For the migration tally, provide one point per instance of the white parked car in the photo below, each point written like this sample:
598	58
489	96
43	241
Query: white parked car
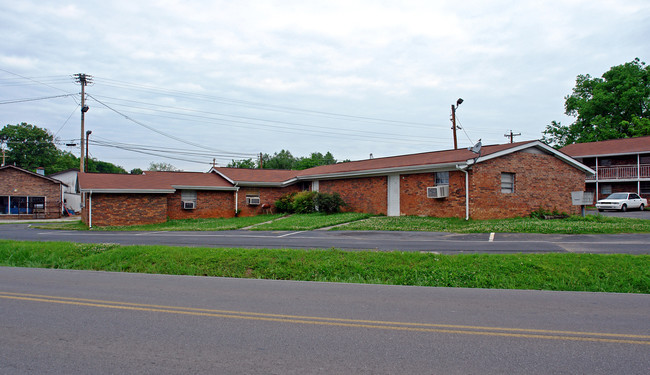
622	201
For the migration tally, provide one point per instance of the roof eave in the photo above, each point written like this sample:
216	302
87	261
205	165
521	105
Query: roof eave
128	191
215	188
385	171
266	183
558	154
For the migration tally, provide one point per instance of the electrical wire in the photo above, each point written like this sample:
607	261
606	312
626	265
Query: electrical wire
365	133
13	101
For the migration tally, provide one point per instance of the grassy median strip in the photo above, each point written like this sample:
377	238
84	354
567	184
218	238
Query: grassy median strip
592	224
311	221
576	272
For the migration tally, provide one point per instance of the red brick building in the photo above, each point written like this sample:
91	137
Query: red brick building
621	165
501	181
29	195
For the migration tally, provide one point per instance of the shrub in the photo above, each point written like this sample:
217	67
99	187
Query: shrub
285	203
329	203
310	201
305	202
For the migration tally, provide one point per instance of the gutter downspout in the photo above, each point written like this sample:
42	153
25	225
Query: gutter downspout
464	169
90	210
236	199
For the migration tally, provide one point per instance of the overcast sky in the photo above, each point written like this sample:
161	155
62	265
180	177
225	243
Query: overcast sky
188	81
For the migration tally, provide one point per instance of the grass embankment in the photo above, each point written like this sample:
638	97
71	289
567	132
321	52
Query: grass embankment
592	224
577	272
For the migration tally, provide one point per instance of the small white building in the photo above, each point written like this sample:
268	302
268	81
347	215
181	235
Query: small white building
70	188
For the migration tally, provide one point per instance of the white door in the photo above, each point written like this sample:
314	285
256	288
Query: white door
393	195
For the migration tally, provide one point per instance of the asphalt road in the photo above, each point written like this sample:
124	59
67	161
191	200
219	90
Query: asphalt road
445	243
68	322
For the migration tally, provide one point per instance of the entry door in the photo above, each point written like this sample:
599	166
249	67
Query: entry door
393	195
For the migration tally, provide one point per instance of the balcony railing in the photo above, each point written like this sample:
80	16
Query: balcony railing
622	172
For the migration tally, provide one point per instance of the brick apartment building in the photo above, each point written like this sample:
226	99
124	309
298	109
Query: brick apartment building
29	195
621	165
499	182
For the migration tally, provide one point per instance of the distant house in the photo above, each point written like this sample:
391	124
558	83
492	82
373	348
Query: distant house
498	182
71	196
621	165
28	195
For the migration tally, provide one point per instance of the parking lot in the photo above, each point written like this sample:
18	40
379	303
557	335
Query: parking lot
632	214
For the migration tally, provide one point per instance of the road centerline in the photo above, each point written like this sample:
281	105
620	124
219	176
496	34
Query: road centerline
352	323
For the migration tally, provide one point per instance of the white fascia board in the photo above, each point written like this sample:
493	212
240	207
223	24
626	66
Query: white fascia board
384	171
222	175
266	184
609	155
560	155
128	191
216	188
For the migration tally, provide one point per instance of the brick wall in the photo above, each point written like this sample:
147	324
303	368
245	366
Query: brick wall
209	204
368	194
125	209
267	196
541	181
414	201
14	182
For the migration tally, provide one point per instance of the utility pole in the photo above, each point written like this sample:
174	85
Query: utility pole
83	80
88	132
261	161
512	136
453	120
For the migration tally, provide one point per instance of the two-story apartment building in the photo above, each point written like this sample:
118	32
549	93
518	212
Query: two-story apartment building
621	165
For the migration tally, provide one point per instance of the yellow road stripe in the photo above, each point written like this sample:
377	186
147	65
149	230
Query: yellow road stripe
296	319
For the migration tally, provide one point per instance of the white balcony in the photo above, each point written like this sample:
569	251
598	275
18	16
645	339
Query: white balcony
622	172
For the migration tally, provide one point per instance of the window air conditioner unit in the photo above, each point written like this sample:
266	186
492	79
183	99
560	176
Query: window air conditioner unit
189	205
440	191
253	201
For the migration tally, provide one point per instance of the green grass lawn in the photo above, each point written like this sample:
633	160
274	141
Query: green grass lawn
311	221
619	273
592	224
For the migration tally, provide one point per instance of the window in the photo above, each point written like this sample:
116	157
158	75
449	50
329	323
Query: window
507	183
188	199
605	189
16	205
442	178
188	195
4	205
645	188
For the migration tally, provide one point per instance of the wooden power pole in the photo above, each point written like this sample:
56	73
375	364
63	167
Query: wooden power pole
83	80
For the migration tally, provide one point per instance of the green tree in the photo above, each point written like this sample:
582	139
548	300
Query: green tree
244	163
162	167
281	160
614	106
64	161
136	171
29	147
314	160
99	166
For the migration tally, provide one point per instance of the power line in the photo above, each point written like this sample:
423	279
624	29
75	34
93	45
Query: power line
33	80
13	101
258	105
